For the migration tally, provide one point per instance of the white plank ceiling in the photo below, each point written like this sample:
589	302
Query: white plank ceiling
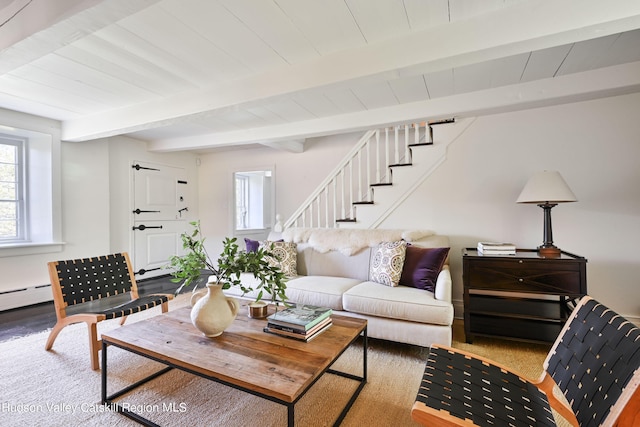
203	74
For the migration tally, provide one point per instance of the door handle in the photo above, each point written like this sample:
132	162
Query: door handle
138	167
139	211
142	271
144	227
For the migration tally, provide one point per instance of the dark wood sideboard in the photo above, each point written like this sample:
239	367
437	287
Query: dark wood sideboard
523	296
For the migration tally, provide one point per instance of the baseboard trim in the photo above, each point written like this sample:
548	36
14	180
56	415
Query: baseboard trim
25	297
458	309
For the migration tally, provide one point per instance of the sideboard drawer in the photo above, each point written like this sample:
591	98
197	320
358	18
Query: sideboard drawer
527	276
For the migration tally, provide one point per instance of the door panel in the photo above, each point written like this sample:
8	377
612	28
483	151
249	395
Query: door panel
159	216
159	192
154	246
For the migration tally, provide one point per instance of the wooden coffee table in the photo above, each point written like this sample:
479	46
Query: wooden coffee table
244	357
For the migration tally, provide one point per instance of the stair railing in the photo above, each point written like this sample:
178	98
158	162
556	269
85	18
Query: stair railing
365	165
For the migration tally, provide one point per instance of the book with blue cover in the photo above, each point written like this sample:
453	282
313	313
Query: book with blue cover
301	337
301	316
299	330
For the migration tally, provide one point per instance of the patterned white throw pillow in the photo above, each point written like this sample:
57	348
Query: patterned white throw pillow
387	262
287	255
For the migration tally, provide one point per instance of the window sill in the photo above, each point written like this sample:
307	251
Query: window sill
18	249
247	231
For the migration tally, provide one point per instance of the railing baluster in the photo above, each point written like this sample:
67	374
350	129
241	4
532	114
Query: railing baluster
396	145
360	193
369	170
342	196
335	202
407	156
377	156
386	154
326	206
351	188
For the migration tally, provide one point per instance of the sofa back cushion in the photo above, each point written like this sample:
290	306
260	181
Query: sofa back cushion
333	263
312	262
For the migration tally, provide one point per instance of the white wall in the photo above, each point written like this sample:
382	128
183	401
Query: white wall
471	197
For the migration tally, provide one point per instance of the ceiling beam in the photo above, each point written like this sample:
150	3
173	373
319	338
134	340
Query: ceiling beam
521	28
610	81
292	146
40	27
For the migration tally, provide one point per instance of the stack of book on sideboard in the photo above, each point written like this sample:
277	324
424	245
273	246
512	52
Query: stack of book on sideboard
301	322
493	248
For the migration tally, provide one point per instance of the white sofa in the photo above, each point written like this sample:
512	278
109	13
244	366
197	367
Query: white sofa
333	270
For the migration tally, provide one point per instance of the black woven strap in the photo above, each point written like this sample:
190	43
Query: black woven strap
135	306
594	361
88	279
472	390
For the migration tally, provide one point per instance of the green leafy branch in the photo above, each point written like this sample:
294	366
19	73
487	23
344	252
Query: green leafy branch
188	268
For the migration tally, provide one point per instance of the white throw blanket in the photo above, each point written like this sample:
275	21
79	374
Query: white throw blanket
349	241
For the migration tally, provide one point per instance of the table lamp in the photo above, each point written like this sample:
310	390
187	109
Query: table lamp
547	189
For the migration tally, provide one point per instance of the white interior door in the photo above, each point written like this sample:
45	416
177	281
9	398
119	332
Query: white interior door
159	216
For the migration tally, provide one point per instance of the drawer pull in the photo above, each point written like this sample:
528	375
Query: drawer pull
520	280
520	261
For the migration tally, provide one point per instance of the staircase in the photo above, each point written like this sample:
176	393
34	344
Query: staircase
381	171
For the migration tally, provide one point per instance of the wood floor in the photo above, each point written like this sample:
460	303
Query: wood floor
23	321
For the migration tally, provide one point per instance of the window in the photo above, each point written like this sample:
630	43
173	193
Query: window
30	185
253	199
12	190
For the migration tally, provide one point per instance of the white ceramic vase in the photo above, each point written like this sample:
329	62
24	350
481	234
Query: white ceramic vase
212	311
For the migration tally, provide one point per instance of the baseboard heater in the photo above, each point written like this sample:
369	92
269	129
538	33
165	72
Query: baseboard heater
25	296
38	294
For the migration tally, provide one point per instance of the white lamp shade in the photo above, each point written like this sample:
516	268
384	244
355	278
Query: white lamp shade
546	187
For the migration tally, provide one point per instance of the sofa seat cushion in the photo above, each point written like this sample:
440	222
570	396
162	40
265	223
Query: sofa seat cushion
323	291
400	302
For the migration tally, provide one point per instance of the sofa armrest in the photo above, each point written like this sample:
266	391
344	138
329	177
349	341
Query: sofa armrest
443	285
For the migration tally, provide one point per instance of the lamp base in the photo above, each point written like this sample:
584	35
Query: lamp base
549	251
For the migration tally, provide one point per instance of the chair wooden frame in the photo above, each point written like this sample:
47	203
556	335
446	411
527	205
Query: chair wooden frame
99	278
583	364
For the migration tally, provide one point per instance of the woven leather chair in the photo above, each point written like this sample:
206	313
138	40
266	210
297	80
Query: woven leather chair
96	289
595	363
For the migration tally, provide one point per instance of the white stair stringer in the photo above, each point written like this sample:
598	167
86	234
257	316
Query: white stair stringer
425	159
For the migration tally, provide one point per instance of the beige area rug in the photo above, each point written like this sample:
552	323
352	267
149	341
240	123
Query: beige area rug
58	388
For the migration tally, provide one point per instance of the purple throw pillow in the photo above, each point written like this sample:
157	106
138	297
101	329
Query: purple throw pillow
252	245
422	266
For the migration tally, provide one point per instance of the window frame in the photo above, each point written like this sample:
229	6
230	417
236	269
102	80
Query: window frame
21	190
261	200
43	180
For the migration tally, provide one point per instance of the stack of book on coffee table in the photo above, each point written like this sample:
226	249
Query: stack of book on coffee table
301	322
